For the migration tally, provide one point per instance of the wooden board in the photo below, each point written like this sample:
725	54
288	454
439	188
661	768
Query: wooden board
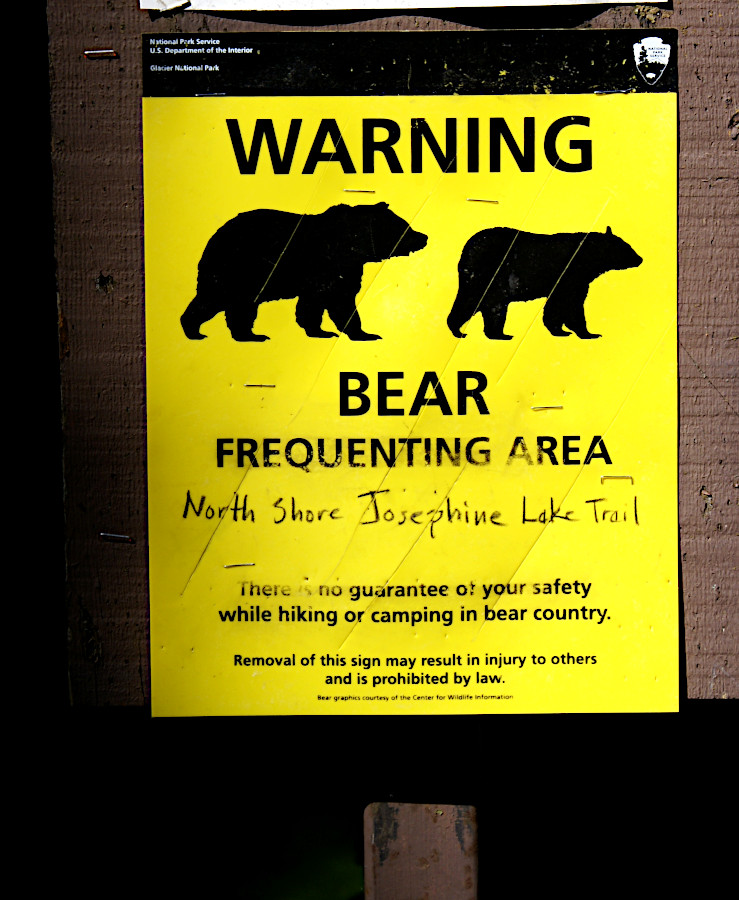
97	200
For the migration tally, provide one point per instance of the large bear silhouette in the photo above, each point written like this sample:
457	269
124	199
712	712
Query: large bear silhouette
268	254
499	266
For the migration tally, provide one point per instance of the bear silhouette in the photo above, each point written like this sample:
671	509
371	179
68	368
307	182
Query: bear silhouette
268	254
499	266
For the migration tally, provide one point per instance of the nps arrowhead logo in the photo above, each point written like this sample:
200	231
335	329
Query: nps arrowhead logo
651	56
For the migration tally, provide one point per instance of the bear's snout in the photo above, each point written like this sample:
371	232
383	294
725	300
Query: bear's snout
412	242
631	260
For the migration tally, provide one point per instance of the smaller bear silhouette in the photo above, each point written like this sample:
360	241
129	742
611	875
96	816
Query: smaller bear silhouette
268	254
499	266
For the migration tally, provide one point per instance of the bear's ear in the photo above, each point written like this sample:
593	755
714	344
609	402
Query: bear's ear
382	205
608	230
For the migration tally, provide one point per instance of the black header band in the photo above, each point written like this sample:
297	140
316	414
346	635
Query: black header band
438	63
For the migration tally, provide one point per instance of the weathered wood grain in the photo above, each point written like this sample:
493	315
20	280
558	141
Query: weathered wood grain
420	850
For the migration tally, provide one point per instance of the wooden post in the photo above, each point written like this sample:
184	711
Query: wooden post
420	851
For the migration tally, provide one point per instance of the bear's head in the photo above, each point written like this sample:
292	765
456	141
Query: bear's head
616	253
375	233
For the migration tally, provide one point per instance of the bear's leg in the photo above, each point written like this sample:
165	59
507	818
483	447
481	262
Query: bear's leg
309	315
198	311
575	320
240	320
463	308
345	317
566	307
555	310
494	317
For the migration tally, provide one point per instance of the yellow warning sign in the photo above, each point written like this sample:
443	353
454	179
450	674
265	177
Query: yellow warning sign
412	399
